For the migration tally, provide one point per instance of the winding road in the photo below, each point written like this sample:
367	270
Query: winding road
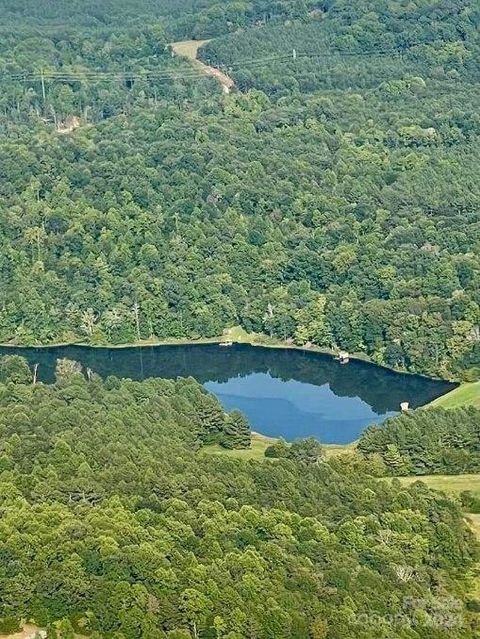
189	49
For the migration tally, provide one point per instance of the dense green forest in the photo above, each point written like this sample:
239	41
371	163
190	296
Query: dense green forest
332	198
180	19
116	522
427	442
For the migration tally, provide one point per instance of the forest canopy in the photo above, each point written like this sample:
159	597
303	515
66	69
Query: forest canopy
332	197
433	441
117	523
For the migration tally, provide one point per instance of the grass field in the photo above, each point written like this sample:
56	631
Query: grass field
464	395
256	451
451	484
261	442
188	48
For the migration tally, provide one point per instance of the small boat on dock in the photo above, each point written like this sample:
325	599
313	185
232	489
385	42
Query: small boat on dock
225	343
343	357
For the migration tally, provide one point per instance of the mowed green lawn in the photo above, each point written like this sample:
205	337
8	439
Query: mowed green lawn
465	395
261	442
451	484
256	450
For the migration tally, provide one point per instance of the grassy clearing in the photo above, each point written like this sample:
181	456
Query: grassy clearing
450	484
188	48
261	442
239	335
256	451
338	449
453	485
464	395
474	523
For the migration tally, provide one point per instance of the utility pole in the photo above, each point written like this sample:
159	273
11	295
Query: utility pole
44	94
136	313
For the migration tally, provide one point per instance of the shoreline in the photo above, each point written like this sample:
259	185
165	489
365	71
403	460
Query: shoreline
259	443
238	337
246	339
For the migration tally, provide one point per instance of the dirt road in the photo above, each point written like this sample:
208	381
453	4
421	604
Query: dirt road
188	49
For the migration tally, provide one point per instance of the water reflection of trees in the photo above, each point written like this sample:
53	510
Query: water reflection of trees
382	389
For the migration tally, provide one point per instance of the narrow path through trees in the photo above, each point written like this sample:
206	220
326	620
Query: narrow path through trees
189	49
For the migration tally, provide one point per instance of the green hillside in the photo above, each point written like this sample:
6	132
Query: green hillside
464	395
332	197
115	524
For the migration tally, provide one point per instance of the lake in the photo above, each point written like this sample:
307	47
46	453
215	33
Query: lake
284	393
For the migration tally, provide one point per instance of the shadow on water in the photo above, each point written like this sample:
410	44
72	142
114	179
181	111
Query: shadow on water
286	393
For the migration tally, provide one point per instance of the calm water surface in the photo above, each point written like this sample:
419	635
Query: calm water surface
283	393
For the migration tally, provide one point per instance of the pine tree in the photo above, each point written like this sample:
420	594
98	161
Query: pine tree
212	419
236	433
398	464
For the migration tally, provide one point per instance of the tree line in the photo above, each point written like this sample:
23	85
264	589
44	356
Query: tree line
431	441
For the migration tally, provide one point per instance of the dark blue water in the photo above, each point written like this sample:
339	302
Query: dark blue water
285	393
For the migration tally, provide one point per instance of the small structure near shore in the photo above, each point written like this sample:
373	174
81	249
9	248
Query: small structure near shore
404	407
343	357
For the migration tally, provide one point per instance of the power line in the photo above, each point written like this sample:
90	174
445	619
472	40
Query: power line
192	72
331	53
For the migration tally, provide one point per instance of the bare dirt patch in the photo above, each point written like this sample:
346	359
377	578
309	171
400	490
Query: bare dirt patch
189	49
29	632
69	125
